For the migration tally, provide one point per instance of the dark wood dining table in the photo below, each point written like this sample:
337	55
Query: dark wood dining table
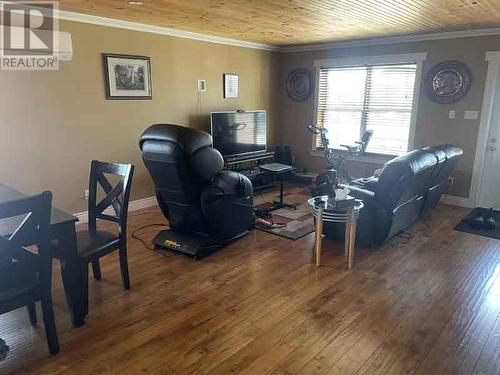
63	231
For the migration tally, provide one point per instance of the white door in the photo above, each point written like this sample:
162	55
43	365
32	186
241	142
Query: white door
489	193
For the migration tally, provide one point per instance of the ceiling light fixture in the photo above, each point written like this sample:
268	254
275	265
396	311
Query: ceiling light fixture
135	2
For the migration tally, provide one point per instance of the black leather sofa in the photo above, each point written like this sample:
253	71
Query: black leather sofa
409	187
196	196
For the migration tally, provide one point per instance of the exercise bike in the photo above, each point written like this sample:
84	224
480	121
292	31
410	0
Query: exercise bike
336	173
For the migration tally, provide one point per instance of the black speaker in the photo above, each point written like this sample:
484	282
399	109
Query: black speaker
284	155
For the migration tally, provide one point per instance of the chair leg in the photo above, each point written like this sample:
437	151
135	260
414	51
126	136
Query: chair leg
32	313
96	269
50	325
124	265
85	285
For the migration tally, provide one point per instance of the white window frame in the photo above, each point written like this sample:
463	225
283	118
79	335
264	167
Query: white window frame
404	58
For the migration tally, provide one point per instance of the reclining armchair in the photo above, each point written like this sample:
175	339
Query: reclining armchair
206	207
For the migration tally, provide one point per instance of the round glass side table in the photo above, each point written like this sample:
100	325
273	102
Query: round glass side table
325	211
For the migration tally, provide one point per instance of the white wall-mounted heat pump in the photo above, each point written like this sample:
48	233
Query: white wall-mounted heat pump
63	48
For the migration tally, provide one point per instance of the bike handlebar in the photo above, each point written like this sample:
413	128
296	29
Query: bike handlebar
316	129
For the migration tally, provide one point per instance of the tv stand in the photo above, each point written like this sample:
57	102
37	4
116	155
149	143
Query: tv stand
230	160
248	165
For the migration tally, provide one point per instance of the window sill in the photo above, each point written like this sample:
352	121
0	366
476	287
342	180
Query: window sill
366	158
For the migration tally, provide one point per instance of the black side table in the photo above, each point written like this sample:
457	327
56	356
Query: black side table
279	170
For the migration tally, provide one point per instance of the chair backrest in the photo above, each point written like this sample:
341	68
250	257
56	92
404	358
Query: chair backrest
182	162
449	156
365	140
28	223
440	161
115	181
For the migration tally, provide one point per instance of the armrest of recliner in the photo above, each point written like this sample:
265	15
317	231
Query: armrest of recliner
227	204
368	183
363	194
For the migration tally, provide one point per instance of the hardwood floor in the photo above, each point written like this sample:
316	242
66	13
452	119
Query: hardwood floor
260	306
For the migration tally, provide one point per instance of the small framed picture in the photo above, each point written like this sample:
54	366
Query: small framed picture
231	86
127	77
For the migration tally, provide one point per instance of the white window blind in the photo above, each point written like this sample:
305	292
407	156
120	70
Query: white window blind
379	98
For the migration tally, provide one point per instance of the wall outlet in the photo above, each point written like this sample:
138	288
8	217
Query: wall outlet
451	114
86	194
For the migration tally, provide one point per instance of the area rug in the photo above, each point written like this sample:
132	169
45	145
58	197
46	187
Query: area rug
298	223
465	224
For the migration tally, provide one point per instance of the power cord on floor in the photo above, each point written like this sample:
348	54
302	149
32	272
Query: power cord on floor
443	197
265	220
165	253
402	238
425	224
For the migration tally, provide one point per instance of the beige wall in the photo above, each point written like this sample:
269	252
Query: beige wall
433	126
54	123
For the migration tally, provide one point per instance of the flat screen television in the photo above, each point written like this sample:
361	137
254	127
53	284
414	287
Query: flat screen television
238	132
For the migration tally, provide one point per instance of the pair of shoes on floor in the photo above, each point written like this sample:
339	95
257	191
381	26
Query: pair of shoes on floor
484	220
4	349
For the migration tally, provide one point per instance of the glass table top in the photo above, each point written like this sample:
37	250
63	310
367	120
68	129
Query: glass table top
332	205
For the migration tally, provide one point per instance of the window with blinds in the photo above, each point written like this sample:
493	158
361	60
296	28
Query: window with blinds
379	98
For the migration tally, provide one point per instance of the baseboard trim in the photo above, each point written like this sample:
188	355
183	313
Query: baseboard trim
83	217
453	200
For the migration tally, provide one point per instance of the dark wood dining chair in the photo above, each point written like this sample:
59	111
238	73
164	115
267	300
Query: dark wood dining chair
26	276
94	243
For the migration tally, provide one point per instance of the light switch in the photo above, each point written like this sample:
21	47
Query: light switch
471	115
451	114
202	85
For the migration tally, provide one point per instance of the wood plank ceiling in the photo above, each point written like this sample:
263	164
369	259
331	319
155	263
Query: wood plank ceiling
290	22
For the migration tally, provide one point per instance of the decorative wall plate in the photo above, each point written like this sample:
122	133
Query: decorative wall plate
448	81
299	84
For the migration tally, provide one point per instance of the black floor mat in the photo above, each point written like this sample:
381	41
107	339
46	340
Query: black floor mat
465	224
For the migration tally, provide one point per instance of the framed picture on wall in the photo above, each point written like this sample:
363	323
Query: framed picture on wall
231	86
127	77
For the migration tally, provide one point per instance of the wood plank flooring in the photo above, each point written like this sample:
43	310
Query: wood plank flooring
260	306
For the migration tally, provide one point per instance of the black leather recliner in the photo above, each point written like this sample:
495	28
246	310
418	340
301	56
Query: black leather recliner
194	192
408	188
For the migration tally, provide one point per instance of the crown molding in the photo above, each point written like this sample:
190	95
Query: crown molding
391	40
120	24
